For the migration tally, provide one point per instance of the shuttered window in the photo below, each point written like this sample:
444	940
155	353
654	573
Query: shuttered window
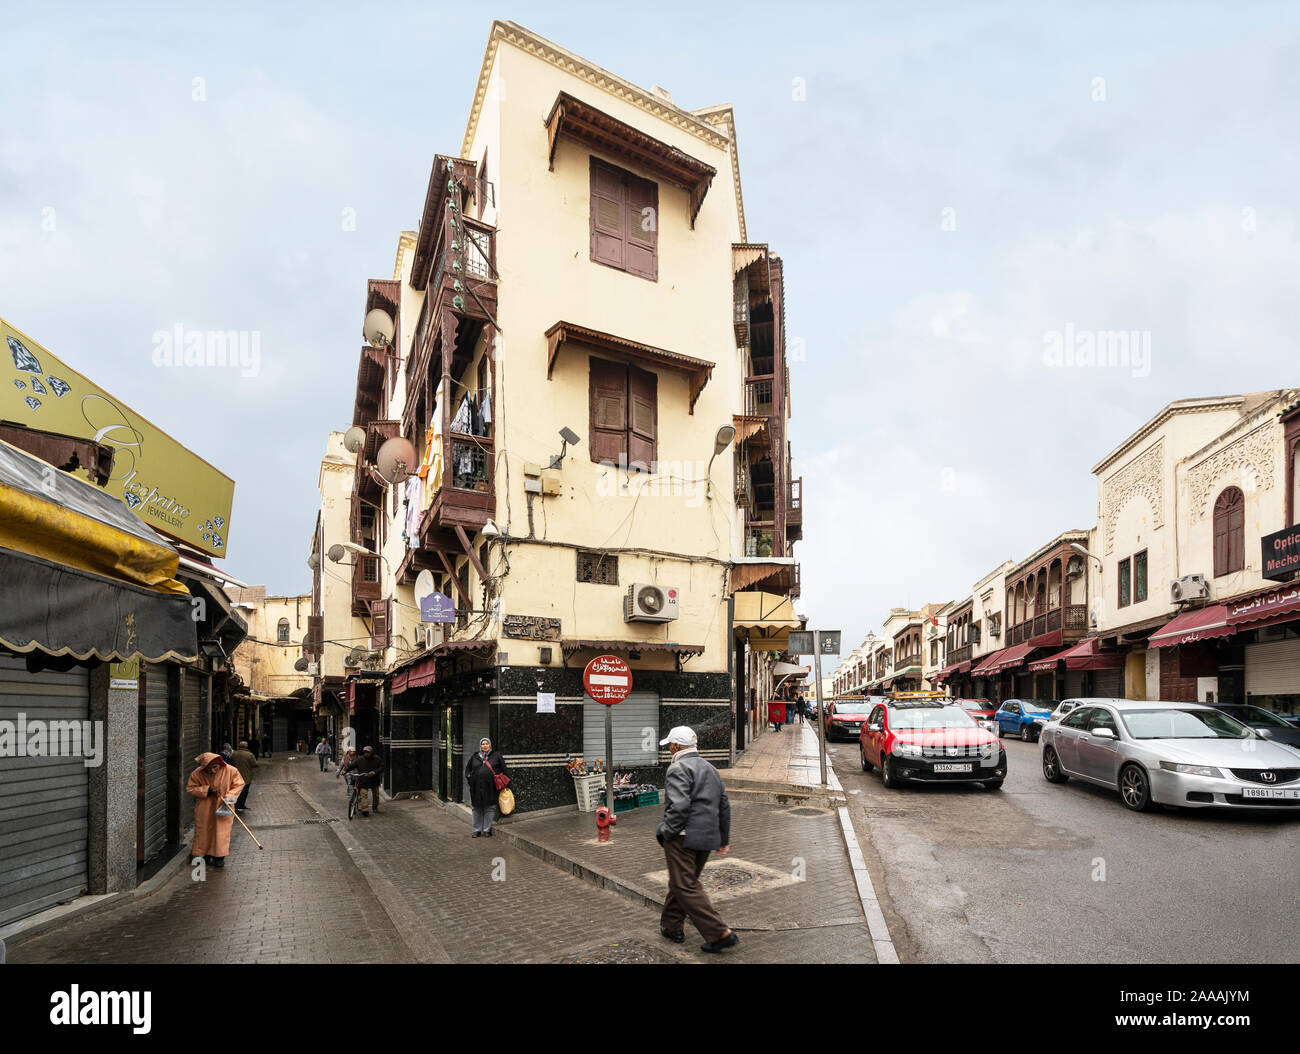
381	628
624	415
1229	532
624	220
1140	577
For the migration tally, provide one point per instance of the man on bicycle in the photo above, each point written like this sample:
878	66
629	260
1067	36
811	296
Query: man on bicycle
369	769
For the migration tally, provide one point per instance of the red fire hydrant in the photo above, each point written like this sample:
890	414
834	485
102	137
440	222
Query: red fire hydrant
604	821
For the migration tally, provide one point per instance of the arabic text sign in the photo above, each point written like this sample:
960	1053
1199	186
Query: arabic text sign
437	607
607	679
169	487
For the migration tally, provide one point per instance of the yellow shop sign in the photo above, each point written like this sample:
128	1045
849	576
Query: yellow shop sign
172	489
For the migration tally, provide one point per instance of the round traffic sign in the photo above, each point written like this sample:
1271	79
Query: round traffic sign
607	679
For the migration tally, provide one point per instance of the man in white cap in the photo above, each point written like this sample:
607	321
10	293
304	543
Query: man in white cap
697	820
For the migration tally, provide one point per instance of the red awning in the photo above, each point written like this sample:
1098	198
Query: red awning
985	665
951	671
1203	624
1048	663
1085	656
1009	658
1273	605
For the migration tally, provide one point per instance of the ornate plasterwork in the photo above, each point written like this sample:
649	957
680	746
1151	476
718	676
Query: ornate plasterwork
1247	462
1144	476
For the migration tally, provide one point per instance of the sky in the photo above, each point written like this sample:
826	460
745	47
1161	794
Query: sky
954	189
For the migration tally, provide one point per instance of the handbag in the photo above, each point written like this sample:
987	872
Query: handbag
499	779
506	801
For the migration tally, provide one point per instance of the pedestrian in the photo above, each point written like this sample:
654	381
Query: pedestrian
323	753
369	768
697	820
803	709
244	760
215	786
481	771
266	744
254	745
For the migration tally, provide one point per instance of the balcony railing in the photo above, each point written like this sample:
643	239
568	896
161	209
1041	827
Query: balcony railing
956	655
794	502
759	541
1076	617
758	396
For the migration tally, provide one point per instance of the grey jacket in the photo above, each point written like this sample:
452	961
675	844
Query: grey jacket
697	805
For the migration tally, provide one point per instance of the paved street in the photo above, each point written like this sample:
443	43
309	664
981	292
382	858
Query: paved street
1008	876
411	885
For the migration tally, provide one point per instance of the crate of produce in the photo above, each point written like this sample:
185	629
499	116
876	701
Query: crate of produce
650	797
590	790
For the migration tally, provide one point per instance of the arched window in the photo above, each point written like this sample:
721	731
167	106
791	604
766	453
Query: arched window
282	631
1229	532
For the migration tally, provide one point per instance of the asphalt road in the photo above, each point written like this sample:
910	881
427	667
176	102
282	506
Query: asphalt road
1042	873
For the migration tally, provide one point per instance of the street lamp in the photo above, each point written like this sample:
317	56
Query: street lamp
720	443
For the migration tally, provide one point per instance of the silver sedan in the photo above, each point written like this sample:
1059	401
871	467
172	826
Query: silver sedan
1179	754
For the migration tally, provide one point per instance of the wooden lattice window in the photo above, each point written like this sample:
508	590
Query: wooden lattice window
598	568
1229	532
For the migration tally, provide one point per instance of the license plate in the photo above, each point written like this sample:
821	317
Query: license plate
950	767
1270	792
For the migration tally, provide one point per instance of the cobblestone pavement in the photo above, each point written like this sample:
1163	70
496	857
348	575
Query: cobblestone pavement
789	758
411	885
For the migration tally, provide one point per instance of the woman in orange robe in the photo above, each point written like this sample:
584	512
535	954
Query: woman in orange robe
210	783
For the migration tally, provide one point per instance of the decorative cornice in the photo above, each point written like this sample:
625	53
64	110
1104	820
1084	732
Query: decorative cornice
405	244
727	118
1184	406
527	41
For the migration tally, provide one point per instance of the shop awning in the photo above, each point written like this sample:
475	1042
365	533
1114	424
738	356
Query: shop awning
1203	624
1008	658
985	665
951	671
749	571
766	618
1086	655
62	611
1281	604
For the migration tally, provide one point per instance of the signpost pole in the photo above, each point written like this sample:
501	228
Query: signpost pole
609	758
821	706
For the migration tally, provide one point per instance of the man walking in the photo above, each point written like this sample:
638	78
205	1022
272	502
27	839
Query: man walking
369	769
697	820
323	753
244	763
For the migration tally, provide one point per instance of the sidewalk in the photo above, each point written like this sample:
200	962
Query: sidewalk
785	765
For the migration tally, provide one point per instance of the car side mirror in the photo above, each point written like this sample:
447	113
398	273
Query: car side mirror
1103	733
1265	733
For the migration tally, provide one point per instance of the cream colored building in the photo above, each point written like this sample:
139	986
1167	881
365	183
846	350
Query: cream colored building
582	268
278	695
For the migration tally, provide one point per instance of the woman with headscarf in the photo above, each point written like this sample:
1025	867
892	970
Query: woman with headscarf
215	786
481	771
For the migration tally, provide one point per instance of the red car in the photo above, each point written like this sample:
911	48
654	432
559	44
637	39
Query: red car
980	709
930	741
844	717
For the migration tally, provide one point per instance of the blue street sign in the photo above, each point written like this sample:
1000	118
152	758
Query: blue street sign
437	607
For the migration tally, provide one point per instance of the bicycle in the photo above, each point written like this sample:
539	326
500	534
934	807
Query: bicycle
354	794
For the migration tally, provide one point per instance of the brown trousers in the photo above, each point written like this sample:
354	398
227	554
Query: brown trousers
685	894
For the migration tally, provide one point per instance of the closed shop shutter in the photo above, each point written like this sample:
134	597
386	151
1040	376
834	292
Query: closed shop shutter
44	801
280	733
153	741
1272	669
1073	684
1108	684
193	686
474	728
635	715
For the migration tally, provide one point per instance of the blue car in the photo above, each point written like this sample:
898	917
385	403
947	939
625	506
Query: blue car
1023	718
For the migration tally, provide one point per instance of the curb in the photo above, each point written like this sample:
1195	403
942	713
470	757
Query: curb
886	953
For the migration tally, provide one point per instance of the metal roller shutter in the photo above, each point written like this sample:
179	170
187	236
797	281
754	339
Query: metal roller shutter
1273	668
1073	684
153	741
44	801
475	724
635	715
1108	684
193	685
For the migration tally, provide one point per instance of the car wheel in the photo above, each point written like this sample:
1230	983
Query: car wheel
993	785
887	777
1135	789
1052	767
1026	734
866	765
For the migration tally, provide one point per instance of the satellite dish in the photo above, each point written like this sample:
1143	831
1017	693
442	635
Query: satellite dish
313	561
301	665
354	439
378	328
354	657
424	586
396	459
336	553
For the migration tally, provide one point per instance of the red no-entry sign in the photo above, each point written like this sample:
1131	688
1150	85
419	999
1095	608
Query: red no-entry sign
607	679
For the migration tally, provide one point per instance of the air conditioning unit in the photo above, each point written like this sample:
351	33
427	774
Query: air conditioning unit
313	669
649	603
424	636
1189	587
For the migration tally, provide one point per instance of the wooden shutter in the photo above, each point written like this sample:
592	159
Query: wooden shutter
1229	532
315	634
608	395
379	624
354	520
641	256
643	417
607	237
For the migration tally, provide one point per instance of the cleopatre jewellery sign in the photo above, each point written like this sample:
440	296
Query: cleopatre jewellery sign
170	488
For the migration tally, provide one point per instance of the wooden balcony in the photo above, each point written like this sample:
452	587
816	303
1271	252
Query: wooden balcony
794	506
956	655
366	585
